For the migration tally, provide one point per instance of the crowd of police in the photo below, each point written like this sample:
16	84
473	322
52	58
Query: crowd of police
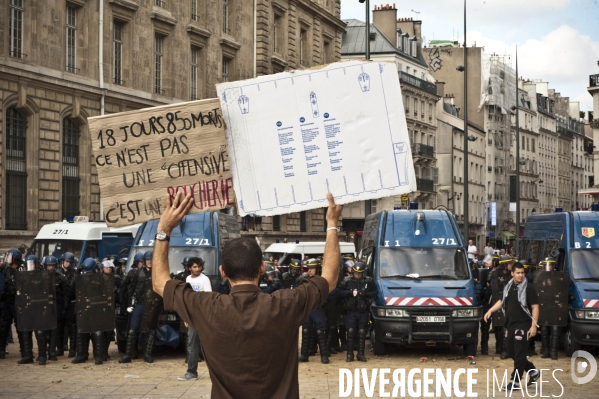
492	278
340	324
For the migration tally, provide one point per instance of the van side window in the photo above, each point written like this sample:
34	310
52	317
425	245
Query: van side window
550	247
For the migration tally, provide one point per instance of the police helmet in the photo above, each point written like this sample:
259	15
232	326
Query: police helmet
348	257
120	261
13	255
359	267
312	263
295	264
88	265
49	260
270	270
137	258
32	262
505	259
547	264
185	262
148	255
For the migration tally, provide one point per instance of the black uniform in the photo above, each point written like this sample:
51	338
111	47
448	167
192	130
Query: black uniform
9	311
62	304
357	293
68	317
269	286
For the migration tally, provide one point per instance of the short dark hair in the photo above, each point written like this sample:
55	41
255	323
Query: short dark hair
195	261
241	259
517	265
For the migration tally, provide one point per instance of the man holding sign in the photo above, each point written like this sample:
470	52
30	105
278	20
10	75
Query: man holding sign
235	327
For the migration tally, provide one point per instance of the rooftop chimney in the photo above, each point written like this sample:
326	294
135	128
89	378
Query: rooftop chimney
384	17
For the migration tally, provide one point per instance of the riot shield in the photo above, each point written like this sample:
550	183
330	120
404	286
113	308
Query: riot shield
153	306
552	289
500	279
95	302
483	276
35	300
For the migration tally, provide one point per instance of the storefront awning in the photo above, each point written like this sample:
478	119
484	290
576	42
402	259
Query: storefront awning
508	234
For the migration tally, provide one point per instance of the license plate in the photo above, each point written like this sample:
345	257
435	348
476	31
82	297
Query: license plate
171	317
430	319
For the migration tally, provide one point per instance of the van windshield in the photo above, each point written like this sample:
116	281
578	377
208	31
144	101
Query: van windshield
41	248
584	265
176	255
433	263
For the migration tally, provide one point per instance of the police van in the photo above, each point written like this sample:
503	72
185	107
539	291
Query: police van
426	292
83	238
284	252
200	235
572	239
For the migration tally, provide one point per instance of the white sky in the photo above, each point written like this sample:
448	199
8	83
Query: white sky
558	40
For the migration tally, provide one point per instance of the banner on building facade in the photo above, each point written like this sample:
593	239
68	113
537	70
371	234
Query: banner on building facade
143	155
294	136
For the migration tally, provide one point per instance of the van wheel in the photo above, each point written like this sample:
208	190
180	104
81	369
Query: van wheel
378	347
570	346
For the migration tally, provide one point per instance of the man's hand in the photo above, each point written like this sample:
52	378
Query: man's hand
488	315
175	211
533	330
333	212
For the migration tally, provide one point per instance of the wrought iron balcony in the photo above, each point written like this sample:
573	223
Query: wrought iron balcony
423	150
594	80
565	131
417	82
425	185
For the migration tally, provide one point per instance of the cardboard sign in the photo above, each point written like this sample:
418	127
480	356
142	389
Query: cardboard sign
294	136
145	154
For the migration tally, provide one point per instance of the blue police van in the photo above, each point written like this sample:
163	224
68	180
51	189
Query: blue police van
200	235
418	261
572	238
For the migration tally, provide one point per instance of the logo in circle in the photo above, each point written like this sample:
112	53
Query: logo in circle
582	366
326	114
279	124
302	119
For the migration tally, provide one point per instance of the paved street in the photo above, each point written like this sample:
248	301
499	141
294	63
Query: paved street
112	380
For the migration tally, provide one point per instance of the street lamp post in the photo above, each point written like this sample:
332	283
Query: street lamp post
466	195
517	251
367	32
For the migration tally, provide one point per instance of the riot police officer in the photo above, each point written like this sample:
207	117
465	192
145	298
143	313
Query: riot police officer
108	267
317	321
549	334
69	319
88	266
268	281
12	260
62	302
484	297
502	274
182	275
136	284
358	290
138	261
292	278
32	264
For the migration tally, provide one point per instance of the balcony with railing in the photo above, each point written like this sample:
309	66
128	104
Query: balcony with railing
564	131
417	82
425	184
423	150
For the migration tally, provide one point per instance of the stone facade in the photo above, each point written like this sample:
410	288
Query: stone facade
153	53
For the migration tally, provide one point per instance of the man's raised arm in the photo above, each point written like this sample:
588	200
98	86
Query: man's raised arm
171	217
330	261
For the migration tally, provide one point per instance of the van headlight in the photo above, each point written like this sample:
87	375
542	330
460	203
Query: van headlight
392	312
465	313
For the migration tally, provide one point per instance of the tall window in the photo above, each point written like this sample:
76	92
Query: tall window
326	55
275	33
158	64
194	10
302	47
303	221
226	16
276	223
71	37
70	169
225	69
193	80
16	172
159	3
118	53
15	28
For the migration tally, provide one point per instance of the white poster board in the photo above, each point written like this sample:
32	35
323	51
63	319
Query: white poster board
294	136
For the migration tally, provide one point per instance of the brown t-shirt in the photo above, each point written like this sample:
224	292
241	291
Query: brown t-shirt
249	339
